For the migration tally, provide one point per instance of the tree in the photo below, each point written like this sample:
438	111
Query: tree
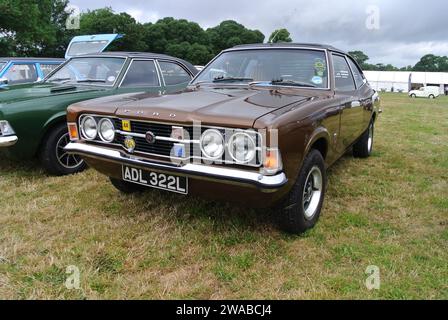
230	33
31	27
359	56
170	31
107	21
280	35
432	63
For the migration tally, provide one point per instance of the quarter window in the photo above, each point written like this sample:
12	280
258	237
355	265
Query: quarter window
342	74
174	74
357	73
21	73
141	73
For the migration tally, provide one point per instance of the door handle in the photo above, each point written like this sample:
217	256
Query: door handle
355	104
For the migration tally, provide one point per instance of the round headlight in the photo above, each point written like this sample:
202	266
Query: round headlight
89	128
212	144
106	130
242	147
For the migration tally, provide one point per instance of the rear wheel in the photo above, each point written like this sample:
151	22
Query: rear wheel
431	96
364	147
413	96
53	157
302	207
127	187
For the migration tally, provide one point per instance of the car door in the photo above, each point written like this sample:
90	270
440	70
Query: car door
19	73
174	76
364	93
351	107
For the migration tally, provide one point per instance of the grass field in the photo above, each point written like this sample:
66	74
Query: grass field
390	211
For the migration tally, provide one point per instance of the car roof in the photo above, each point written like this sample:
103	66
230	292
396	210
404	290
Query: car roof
7	59
287	45
144	55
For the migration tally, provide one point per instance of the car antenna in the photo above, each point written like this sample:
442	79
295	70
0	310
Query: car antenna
275	35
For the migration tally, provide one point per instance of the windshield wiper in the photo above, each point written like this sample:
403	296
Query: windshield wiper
292	83
231	79
91	81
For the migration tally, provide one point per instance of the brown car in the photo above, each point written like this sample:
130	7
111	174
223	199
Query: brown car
259	125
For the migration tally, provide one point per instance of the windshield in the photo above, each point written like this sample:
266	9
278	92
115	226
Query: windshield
85	47
103	71
306	68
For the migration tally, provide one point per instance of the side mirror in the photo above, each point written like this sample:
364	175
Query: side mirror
3	81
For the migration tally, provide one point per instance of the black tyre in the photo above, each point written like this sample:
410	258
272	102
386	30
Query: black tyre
413	96
127	187
52	156
364	147
431	96
302	207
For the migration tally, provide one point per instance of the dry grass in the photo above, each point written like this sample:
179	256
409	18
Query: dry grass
390	211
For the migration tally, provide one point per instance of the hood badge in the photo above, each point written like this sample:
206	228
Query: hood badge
129	144
150	137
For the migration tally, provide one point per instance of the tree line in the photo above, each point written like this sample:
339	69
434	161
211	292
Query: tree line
428	63
38	28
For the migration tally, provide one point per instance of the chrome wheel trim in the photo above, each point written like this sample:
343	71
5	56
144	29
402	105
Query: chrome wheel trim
370	139
68	161
312	192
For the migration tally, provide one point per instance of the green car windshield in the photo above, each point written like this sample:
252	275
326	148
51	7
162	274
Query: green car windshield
283	67
96	71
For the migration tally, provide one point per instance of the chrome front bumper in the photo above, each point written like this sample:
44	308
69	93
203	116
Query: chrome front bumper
8	141
198	171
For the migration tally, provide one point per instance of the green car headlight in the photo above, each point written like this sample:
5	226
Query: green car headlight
5	128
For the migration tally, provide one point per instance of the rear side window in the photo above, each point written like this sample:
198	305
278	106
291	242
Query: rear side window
21	73
174	73
141	73
357	74
48	68
342	74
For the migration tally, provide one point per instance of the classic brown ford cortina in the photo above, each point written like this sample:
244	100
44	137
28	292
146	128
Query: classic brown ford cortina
259	125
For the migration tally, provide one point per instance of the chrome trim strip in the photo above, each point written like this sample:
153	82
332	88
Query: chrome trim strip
198	171
8	141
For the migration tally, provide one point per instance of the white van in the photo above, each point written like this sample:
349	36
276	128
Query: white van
430	92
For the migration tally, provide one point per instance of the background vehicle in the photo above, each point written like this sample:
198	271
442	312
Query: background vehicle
33	116
25	70
425	92
273	118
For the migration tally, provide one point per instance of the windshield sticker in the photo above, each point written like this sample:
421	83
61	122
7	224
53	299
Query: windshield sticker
319	67
111	79
317	80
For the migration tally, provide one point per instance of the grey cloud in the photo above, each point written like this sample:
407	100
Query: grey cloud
408	28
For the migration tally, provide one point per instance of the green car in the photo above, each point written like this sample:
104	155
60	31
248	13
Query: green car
33	116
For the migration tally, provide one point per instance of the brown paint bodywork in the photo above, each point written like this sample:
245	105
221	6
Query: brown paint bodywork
301	116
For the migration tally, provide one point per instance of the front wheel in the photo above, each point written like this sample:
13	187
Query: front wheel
431	96
53	157
302	207
364	147
413	96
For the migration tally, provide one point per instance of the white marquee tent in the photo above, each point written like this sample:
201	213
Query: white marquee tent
402	81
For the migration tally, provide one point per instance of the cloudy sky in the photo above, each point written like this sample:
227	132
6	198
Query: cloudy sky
397	32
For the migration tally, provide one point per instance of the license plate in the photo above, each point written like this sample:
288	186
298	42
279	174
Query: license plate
156	180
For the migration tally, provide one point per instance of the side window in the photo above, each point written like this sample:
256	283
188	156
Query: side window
47	68
21	73
174	73
141	73
343	76
357	73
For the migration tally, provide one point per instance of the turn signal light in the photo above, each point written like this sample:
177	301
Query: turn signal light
272	162
73	131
